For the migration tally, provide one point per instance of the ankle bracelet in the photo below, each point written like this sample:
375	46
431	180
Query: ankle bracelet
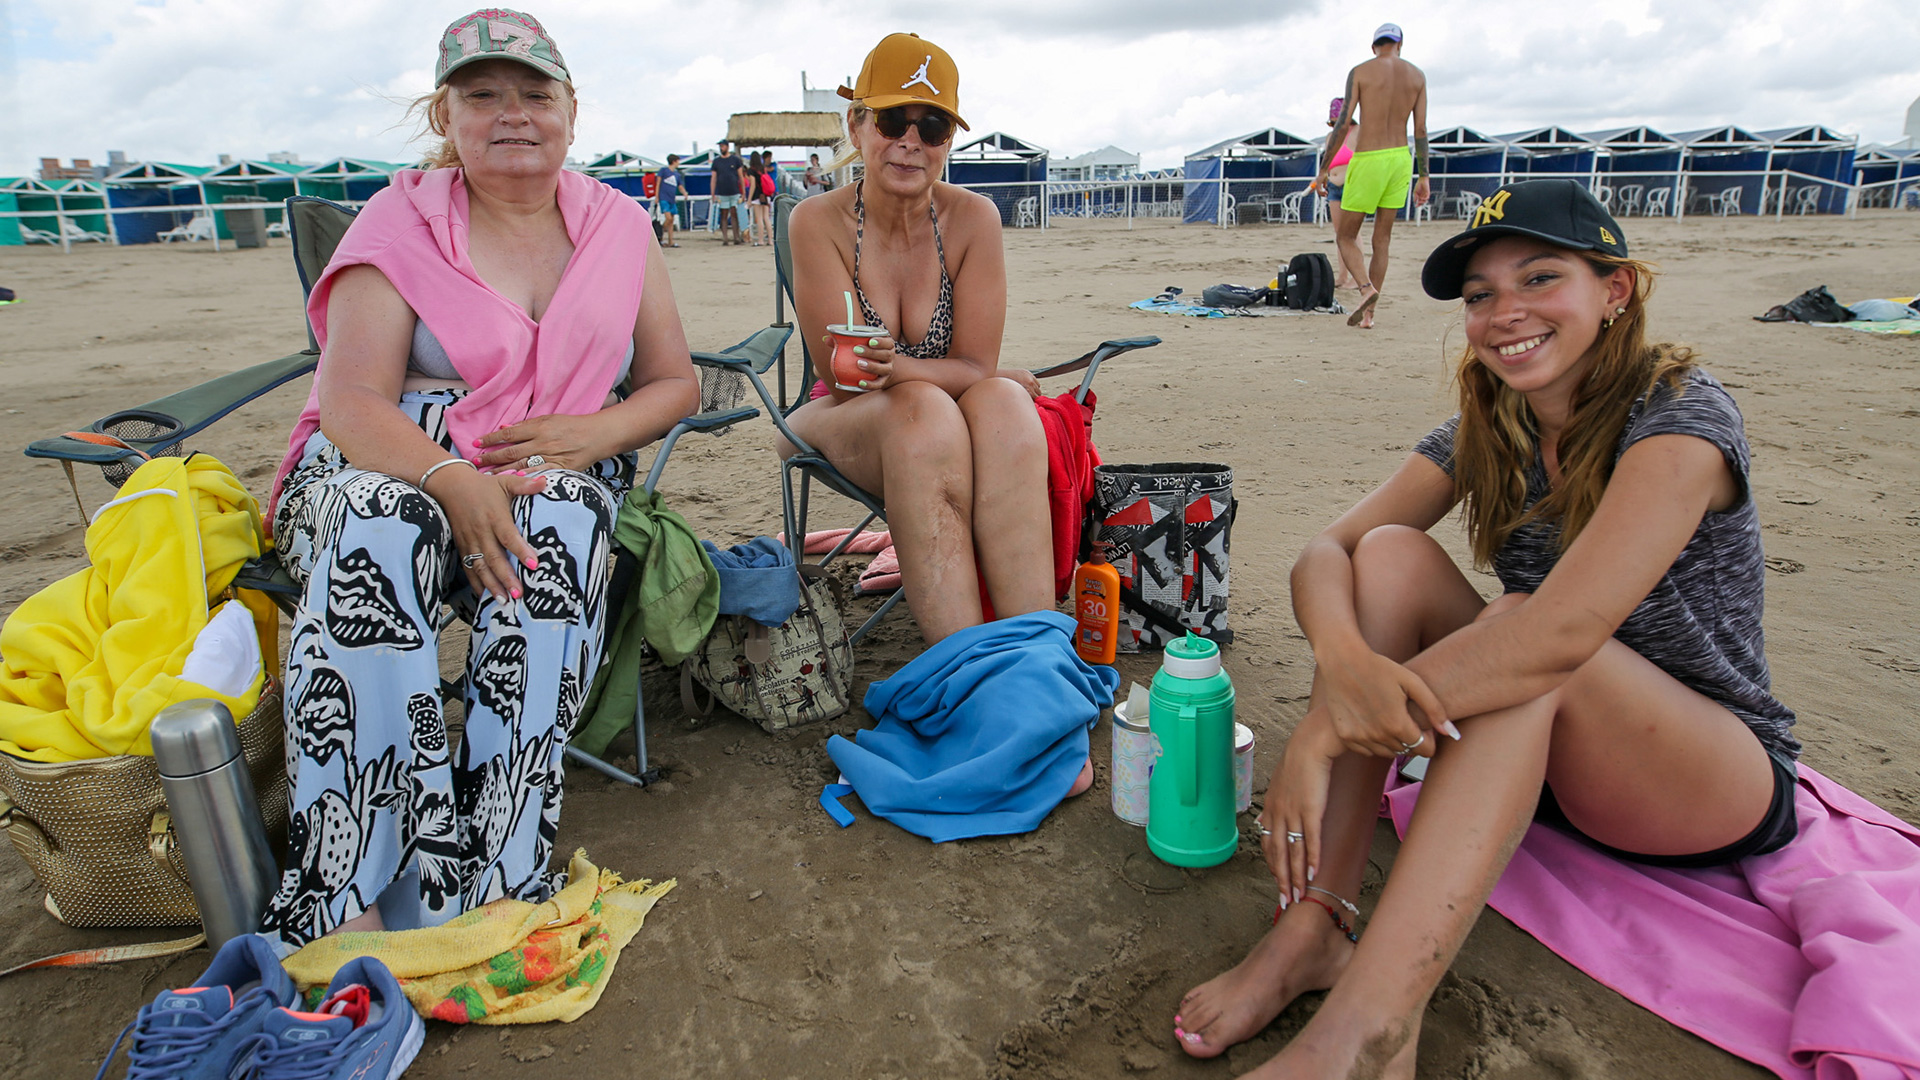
1343	901
1345	927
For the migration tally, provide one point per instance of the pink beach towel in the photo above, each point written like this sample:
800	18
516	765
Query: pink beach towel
1805	961
415	232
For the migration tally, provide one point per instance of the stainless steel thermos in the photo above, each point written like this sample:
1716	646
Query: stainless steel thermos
216	817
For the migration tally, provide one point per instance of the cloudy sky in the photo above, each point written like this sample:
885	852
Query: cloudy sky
187	80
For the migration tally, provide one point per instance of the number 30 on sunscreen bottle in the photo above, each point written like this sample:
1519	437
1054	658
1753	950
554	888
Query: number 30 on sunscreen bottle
1096	608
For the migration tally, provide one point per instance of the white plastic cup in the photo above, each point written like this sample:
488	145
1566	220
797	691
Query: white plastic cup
1242	768
1134	750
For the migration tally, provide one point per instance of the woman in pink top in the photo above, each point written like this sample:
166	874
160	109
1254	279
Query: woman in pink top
461	448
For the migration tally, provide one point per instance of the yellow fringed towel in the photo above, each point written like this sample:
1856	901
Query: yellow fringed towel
509	962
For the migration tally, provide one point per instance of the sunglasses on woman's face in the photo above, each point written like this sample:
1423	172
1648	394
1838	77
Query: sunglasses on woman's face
935	127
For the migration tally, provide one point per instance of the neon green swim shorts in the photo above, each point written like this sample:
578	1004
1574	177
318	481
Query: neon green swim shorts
1378	178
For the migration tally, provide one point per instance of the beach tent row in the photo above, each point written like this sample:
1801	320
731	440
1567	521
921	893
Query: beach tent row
147	198
1725	169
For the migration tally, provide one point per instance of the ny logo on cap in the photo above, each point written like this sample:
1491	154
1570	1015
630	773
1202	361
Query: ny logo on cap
921	77
1494	209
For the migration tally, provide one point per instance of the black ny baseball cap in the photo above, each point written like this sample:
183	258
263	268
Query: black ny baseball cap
1561	212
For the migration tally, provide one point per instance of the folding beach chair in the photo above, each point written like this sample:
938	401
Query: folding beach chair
798	472
119	442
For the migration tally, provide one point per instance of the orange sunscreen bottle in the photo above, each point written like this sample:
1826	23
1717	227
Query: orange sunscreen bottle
1096	608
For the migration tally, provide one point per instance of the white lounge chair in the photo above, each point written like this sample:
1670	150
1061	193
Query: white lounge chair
73	233
276	228
200	228
31	235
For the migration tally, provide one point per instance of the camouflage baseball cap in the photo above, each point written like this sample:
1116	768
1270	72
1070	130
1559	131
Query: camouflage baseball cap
498	34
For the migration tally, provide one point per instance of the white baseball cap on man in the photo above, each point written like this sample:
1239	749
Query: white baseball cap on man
1388	32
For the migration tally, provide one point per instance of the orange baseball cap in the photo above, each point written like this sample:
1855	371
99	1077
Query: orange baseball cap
904	69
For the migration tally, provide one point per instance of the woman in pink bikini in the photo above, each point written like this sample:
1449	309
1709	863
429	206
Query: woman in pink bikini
1336	176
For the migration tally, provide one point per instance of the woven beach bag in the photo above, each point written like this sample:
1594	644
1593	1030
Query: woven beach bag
98	836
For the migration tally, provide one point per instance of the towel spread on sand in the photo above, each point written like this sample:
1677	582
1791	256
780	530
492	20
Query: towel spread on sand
415	232
91	659
1201	311
1803	961
507	962
982	734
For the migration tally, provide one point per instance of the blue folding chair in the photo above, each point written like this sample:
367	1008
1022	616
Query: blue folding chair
798	472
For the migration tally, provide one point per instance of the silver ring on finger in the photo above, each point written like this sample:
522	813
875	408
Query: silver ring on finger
536	461
1264	831
473	560
1410	747
1295	837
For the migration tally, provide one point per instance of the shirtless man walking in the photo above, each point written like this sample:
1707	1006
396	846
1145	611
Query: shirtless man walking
1386	90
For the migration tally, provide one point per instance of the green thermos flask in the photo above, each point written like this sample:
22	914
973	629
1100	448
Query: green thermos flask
1190	794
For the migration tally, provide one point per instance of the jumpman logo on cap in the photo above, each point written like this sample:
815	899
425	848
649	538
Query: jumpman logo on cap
921	77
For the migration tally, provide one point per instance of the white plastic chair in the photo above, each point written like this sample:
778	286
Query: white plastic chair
73	233
1026	213
1322	210
1657	202
1605	195
1806	200
1469	202
200	228
1727	203
1421	212
1290	207
1629	200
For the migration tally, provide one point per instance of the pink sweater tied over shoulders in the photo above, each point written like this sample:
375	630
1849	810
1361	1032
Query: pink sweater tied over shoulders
415	232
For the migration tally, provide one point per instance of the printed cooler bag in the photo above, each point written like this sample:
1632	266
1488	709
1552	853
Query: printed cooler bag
1167	527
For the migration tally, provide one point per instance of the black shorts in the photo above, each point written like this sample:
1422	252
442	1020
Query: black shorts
1773	833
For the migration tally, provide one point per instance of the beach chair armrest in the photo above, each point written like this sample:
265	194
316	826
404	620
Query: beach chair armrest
757	353
1091	361
719	418
179	415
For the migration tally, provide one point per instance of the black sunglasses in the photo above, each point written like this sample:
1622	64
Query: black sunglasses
935	126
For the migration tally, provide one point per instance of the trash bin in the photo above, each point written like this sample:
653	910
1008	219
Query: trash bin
249	227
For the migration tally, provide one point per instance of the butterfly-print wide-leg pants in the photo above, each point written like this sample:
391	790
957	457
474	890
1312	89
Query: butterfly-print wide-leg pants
376	794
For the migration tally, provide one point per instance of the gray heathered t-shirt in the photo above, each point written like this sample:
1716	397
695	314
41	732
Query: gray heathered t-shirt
1701	622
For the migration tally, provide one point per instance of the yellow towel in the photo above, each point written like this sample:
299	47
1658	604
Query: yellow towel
87	662
509	962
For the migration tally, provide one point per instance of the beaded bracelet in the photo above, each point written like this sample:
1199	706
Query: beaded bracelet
1345	927
438	465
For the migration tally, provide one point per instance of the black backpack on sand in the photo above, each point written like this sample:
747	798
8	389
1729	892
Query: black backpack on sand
1307	281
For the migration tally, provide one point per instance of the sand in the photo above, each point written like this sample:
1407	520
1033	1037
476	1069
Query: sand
793	948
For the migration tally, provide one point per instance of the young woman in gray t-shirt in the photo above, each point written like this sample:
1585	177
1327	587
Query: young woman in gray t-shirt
1619	688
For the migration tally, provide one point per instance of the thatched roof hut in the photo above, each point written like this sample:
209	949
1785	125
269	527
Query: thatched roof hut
784	129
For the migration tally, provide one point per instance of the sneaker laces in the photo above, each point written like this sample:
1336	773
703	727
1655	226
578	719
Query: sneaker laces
273	1059
164	1052
268	1058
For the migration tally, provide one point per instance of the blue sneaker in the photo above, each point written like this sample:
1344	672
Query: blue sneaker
195	1033
365	1029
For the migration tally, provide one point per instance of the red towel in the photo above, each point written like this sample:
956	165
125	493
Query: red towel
1071	457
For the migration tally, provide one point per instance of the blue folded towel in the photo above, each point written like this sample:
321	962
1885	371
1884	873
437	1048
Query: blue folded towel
757	579
980	735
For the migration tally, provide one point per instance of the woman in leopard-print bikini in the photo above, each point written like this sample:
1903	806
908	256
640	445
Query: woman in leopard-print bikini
945	435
